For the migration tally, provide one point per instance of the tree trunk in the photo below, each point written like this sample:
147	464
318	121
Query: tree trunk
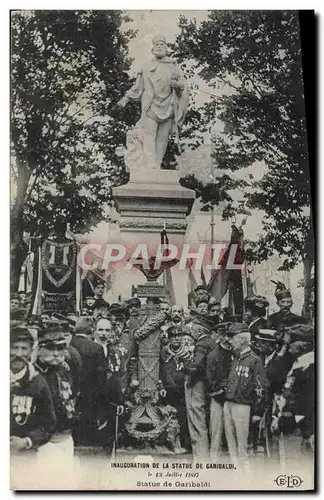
308	263
18	248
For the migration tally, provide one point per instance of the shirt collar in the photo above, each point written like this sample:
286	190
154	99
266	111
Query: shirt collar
245	351
253	322
16	377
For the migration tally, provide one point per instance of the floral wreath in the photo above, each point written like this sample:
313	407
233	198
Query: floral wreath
150	326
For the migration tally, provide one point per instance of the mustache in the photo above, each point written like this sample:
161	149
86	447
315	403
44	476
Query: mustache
17	358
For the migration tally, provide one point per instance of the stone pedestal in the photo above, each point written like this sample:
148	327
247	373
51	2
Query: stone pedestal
150	201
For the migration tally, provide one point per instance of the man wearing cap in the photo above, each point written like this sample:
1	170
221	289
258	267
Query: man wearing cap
14	301
266	346
295	407
217	371
52	365
134	306
173	358
201	292
93	376
196	389
164	97
284	317
32	413
255	312
214	311
246	386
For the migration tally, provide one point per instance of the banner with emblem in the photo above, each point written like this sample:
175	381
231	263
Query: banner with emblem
54	283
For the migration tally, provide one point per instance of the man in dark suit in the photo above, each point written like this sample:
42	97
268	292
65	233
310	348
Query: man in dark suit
93	378
111	402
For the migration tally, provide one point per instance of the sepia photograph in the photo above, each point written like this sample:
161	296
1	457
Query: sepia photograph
162	252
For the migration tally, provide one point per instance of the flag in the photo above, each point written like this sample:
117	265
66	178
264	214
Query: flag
202	277
167	275
107	276
230	280
54	276
191	285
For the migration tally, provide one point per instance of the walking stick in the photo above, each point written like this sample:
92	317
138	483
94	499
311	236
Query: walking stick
113	453
282	452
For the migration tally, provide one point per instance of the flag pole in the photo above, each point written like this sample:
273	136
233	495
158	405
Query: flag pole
212	213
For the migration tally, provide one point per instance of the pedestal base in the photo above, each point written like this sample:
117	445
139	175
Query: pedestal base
151	200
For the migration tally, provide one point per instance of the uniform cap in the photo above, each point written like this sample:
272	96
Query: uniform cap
267	334
18	314
134	301
304	333
174	330
237	328
98	282
223	327
56	325
20	334
51	336
118	311
201	287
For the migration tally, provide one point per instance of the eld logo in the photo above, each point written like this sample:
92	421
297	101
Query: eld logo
289	481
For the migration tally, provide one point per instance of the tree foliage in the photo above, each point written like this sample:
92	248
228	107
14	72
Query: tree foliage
68	70
256	57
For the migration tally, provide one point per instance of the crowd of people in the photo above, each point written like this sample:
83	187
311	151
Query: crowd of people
238	385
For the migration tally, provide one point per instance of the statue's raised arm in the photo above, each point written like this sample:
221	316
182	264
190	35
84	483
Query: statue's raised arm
164	102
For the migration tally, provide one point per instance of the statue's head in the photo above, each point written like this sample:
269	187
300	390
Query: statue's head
159	48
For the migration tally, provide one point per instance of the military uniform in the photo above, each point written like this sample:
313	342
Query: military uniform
284	318
196	392
172	374
32	413
59	378
246	384
217	371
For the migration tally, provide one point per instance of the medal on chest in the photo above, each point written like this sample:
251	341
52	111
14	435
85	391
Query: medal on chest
21	408
66	397
242	371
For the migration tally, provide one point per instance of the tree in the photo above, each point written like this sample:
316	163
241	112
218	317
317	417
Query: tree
68	70
256	57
